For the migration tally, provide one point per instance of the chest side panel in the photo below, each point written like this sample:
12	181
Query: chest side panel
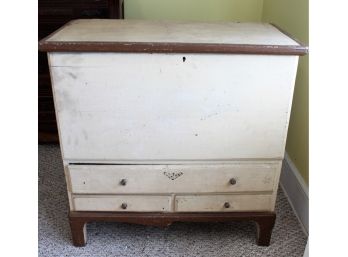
119	106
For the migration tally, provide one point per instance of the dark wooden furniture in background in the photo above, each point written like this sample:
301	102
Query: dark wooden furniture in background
52	15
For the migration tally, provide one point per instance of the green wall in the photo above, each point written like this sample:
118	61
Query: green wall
292	16
205	10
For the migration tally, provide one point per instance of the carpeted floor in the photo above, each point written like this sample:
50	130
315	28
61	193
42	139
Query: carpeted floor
180	239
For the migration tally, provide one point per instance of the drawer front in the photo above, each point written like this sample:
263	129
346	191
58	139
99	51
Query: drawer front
122	203
126	107
223	203
116	179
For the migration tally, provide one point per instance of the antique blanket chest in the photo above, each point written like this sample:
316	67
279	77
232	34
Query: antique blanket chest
163	122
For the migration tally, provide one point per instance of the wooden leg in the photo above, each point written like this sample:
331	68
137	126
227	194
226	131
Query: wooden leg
264	229
78	232
264	221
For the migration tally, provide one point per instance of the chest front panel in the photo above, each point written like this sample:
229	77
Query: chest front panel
128	106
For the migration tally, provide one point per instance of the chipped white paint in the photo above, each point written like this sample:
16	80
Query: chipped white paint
172	32
215	203
117	106
106	179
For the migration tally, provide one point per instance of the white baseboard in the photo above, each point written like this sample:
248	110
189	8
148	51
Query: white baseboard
296	191
306	251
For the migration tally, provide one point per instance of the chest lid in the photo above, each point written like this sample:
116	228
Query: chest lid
98	35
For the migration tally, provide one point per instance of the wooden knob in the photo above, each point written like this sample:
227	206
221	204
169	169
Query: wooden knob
124	206
227	205
123	182
233	181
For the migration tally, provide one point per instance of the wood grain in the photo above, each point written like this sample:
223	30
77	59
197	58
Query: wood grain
154	47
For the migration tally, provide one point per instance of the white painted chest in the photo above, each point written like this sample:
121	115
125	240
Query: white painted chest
163	120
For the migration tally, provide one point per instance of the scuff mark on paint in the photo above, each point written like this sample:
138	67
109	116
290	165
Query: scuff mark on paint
267	180
85	134
69	140
209	116
72	75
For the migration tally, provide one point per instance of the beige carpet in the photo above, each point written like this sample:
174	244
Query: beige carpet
180	239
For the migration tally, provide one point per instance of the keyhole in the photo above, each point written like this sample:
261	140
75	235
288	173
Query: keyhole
184	59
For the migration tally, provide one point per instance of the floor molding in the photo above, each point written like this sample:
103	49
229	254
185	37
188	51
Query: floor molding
296	191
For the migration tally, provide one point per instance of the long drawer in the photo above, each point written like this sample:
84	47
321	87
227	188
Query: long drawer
212	178
223	203
122	203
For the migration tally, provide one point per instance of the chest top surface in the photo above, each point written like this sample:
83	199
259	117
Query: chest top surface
171	36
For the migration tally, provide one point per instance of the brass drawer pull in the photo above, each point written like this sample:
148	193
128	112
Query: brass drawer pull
123	182
233	181
227	205
124	206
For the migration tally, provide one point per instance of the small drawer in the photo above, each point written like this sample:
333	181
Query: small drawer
223	203
132	203
154	179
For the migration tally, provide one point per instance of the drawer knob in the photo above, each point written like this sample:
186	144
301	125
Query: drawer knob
124	206
123	182
227	205
233	181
